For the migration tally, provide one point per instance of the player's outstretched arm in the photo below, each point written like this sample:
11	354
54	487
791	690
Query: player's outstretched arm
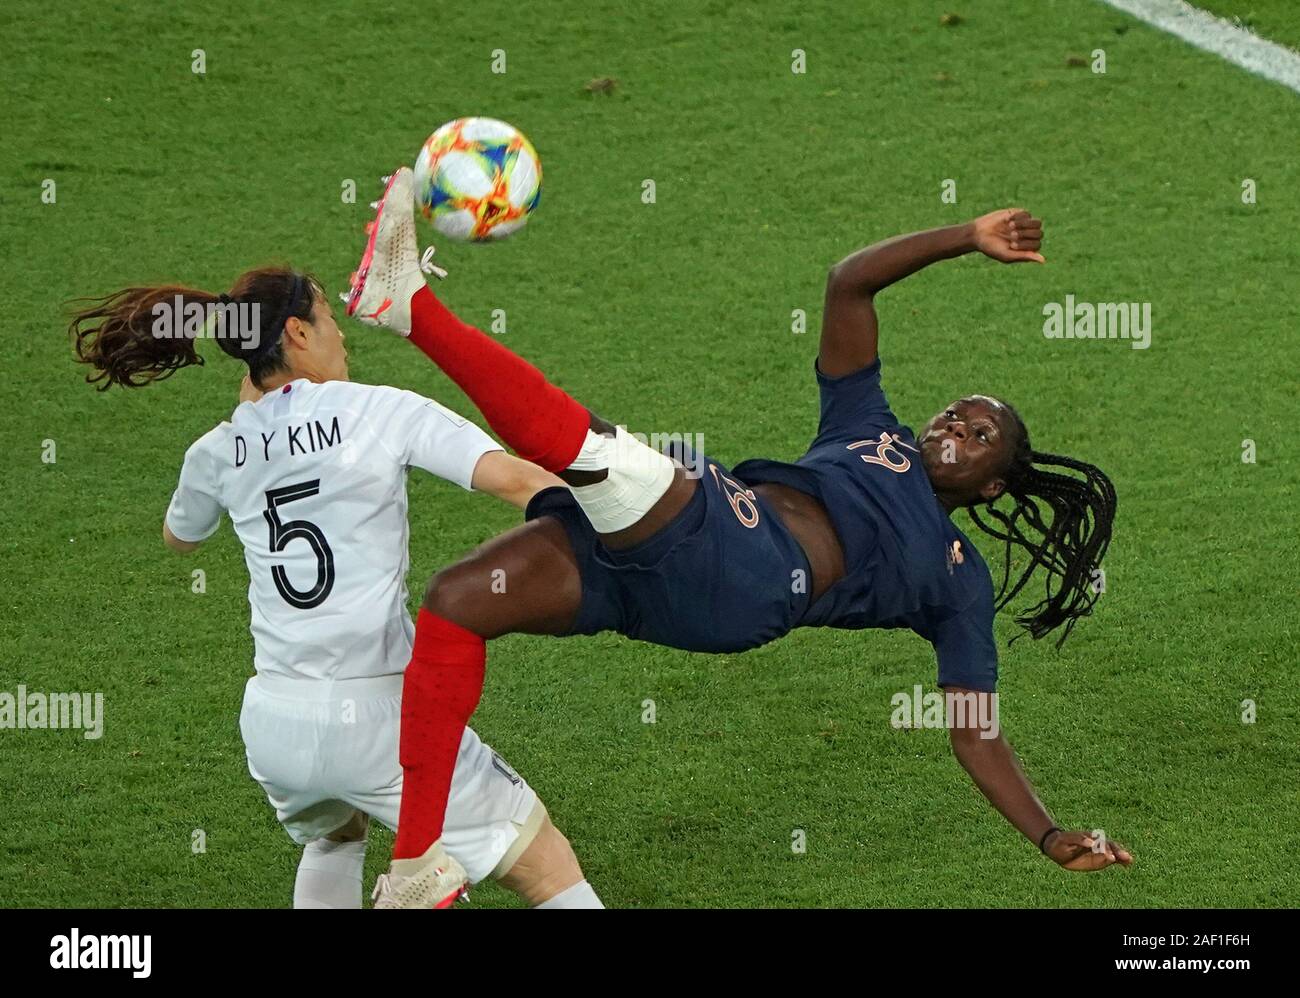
849	328
510	478
992	764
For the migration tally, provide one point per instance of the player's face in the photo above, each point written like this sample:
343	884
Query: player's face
326	355
967	448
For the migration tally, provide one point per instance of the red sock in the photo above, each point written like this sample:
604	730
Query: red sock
442	687
541	422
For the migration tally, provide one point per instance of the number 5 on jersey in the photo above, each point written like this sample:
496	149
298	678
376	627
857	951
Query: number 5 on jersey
284	532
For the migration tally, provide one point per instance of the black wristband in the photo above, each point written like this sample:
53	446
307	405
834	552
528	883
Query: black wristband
1043	841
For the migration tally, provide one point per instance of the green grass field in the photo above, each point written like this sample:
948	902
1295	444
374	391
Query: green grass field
676	316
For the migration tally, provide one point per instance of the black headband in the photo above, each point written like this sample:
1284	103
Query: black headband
269	341
290	307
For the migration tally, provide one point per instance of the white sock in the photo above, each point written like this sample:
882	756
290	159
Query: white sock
329	875
637	478
596	454
580	895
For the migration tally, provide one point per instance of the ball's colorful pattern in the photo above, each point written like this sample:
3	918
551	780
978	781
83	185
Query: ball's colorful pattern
477	179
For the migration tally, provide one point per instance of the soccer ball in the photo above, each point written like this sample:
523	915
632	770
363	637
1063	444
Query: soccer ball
477	179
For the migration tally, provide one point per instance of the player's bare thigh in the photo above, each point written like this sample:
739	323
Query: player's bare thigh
525	581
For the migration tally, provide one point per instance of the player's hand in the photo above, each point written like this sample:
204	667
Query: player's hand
1085	852
1011	235
248	392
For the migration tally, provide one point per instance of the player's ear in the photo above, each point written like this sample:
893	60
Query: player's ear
295	331
993	489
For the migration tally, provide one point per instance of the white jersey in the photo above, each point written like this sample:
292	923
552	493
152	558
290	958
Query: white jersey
314	479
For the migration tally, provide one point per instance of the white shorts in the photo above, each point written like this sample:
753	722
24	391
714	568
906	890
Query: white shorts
323	749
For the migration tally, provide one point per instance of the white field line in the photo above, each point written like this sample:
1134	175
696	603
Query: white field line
1213	34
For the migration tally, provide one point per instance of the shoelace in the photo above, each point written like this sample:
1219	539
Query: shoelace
427	265
384	885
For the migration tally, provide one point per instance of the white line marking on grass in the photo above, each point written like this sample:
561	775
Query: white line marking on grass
1213	34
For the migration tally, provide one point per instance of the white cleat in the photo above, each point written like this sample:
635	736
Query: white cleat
389	272
438	883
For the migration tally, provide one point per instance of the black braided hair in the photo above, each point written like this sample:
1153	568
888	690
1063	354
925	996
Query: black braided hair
1071	543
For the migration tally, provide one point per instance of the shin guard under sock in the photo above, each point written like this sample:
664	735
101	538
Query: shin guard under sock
442	687
542	423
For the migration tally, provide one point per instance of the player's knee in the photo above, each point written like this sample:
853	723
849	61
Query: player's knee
353	831
451	594
466	594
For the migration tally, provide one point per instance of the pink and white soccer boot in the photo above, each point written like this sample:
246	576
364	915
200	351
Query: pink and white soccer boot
391	269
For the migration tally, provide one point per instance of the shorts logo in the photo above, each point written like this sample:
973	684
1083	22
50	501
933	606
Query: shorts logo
743	501
502	767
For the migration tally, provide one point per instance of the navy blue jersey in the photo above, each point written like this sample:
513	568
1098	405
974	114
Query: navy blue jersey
906	564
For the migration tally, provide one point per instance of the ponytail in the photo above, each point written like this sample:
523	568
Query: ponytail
143	334
1064	521
115	336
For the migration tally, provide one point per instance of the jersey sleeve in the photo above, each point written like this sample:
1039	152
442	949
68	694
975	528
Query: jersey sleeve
195	511
853	403
965	648
427	435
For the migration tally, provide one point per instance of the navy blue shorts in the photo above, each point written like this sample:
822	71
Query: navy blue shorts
723	575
